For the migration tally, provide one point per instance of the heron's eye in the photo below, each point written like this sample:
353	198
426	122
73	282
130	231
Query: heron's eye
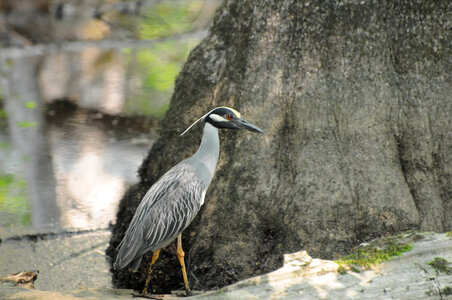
229	117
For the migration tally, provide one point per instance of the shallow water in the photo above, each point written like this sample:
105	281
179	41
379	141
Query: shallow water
80	102
94	159
77	115
92	163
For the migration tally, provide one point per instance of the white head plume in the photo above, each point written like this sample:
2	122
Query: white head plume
203	117
200	119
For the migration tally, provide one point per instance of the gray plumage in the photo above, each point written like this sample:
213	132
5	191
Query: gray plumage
173	201
170	204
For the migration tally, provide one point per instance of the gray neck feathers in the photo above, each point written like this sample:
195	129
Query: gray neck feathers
205	159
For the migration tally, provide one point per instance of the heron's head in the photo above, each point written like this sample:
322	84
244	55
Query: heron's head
228	118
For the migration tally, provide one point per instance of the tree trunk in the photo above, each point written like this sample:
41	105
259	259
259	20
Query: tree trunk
355	100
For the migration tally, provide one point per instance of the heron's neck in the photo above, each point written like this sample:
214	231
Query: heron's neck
206	158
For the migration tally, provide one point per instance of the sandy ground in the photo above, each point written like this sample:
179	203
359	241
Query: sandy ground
74	267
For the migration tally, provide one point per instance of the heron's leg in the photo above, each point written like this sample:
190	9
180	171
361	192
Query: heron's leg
155	255
180	255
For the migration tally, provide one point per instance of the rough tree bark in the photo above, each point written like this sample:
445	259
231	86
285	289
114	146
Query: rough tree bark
355	98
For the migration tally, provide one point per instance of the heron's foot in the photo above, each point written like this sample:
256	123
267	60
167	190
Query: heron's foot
145	294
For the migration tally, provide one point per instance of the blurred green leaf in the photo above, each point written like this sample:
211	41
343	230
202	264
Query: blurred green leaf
154	69
30	104
14	208
169	18
25	124
158	69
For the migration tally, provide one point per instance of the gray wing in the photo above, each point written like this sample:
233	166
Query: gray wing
164	212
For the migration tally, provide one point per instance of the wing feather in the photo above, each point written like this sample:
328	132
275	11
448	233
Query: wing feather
165	211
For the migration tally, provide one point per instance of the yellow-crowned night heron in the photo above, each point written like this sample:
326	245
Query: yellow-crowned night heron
174	200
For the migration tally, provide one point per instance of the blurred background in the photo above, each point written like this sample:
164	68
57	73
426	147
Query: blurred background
83	87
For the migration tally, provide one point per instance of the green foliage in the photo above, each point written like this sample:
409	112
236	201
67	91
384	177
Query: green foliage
163	63
449	234
160	64
158	68
26	124
441	265
14	208
30	104
341	269
369	256
168	18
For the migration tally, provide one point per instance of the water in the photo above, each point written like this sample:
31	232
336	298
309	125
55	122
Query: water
92	159
94	162
77	118
76	169
80	104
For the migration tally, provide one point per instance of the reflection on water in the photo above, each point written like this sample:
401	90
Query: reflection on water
67	163
117	81
26	124
94	159
14	206
94	163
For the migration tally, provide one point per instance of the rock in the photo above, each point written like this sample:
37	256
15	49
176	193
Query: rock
409	276
8	292
297	259
25	279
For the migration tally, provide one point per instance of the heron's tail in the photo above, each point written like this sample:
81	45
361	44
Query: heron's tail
129	254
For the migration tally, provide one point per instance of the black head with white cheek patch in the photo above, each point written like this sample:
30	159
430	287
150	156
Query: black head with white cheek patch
221	117
229	118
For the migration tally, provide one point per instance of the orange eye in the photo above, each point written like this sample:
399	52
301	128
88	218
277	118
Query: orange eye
229	117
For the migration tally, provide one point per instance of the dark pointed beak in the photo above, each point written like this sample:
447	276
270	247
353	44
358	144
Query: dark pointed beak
242	124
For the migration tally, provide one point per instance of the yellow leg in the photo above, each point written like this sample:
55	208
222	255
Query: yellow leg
180	255
155	255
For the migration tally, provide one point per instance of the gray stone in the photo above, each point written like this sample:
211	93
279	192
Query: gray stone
406	277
